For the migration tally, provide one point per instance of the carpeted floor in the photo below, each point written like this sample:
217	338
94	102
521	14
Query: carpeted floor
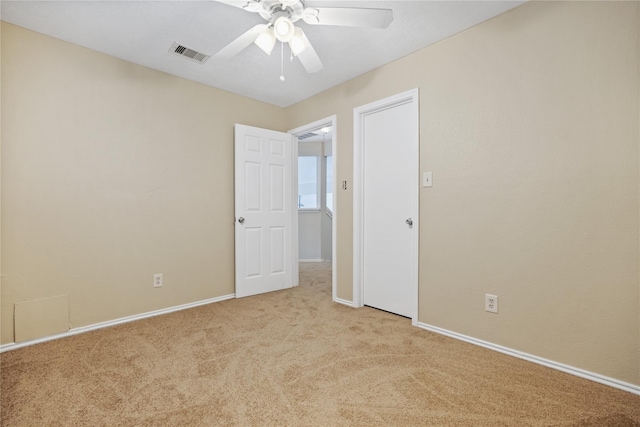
291	358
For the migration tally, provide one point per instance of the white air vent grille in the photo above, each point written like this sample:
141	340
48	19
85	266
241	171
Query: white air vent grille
306	135
191	54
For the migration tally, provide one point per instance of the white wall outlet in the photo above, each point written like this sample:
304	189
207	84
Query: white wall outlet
491	303
427	179
157	280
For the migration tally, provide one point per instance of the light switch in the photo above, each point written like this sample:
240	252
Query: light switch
427	179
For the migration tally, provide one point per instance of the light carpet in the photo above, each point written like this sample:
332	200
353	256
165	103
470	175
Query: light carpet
291	358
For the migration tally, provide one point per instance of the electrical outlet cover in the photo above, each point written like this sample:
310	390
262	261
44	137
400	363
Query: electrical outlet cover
157	280
491	303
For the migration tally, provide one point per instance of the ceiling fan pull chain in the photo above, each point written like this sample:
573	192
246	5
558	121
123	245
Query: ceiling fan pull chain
281	61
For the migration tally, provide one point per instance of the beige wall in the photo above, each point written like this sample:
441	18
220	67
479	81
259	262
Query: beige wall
529	123
112	172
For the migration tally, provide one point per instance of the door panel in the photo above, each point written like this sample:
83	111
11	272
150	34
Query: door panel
252	186
277	250
264	210
390	202
277	188
252	252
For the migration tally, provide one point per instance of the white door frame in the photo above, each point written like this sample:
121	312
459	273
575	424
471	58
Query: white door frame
359	113
318	124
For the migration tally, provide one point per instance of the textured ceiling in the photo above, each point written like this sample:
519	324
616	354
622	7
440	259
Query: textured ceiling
143	31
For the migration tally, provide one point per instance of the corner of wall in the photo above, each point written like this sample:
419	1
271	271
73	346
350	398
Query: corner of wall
638	82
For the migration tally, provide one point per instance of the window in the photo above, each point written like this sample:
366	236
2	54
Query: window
330	184
308	183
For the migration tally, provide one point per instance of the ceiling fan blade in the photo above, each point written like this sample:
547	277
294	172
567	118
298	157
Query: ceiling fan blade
241	42
310	59
250	5
348	17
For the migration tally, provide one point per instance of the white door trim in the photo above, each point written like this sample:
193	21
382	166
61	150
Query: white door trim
359	113
294	206
297	131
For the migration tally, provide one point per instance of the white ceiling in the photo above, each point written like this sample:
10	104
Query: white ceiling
143	31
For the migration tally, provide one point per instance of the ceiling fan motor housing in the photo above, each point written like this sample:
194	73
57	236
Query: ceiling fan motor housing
273	9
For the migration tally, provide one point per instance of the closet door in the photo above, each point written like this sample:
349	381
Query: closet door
389	204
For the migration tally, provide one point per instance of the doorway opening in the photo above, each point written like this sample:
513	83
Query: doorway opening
314	172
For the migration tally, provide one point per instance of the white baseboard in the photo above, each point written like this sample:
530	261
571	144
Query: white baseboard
82	329
612	382
344	302
310	260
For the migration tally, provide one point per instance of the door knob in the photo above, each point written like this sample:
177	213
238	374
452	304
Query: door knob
241	220
409	222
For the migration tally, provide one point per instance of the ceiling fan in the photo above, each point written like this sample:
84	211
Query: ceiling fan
281	16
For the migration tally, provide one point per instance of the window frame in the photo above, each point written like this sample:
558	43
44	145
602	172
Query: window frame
328	191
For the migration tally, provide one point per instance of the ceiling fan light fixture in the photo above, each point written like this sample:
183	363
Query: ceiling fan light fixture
266	41
284	29
298	42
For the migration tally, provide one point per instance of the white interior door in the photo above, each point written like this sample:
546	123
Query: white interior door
263	210
389	197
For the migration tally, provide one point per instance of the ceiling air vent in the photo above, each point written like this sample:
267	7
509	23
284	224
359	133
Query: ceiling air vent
191	54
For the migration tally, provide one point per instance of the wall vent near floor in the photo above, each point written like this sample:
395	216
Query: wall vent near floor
191	54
